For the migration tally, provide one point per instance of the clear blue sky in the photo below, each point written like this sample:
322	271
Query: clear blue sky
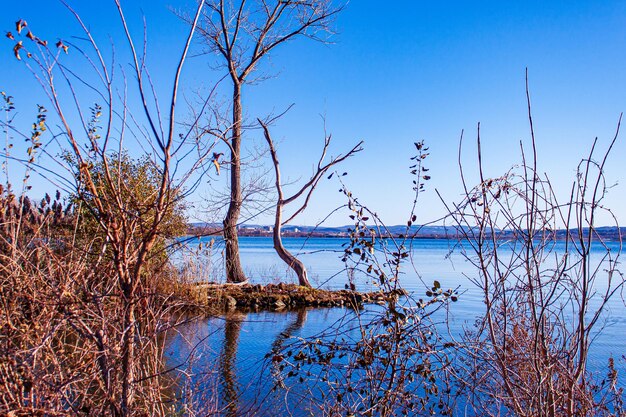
401	72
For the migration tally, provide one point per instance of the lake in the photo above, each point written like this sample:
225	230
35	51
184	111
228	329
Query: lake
228	352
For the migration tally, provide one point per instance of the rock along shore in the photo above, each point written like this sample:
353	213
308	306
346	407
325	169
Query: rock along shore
282	296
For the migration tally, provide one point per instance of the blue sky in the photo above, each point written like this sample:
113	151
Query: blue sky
401	72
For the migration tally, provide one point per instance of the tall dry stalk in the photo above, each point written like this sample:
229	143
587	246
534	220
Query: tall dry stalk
546	277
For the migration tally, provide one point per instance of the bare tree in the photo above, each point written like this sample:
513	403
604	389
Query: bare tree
243	33
545	291
115	316
306	191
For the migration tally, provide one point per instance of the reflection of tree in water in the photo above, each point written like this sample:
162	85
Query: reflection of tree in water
231	387
290	330
282	337
227	363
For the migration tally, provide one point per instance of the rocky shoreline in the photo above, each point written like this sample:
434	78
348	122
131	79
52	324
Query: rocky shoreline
276	297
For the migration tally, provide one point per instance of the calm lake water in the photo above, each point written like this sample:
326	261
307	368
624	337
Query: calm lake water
227	353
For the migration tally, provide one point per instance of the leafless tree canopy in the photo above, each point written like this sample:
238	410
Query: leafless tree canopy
245	31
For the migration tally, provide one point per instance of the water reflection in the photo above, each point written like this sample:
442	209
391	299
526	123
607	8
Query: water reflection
224	371
253	395
229	352
231	376
227	363
292	328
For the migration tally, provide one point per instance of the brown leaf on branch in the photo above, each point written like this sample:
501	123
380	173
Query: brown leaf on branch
63	46
34	38
20	24
16	50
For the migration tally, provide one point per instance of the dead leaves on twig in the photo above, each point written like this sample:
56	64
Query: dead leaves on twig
20	25
34	38
16	50
63	46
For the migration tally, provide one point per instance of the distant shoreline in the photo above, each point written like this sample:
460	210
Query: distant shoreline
609	234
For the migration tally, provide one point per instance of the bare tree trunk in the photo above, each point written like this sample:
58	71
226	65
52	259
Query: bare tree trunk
128	355
234	271
307	190
294	263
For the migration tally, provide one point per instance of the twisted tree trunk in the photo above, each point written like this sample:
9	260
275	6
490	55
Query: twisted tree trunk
294	263
306	191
